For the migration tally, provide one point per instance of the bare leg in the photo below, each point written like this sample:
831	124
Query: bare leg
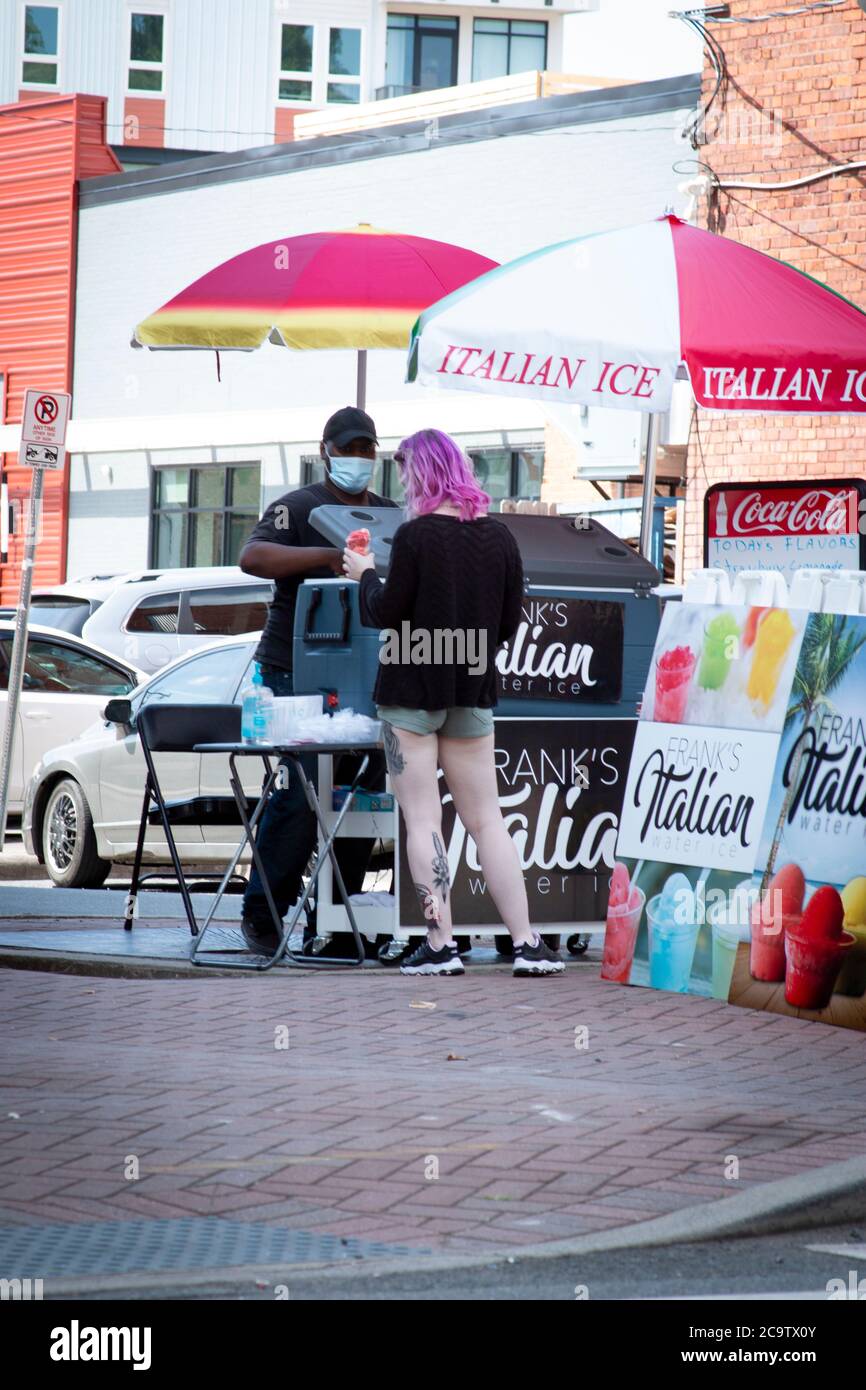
470	770
412	763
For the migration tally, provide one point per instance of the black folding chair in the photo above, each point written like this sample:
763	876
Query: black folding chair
174	728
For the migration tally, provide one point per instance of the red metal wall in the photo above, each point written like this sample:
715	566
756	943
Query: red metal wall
46	145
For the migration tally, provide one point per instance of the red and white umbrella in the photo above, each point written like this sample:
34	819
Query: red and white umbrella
609	320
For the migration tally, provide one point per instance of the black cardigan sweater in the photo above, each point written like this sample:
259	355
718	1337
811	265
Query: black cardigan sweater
446	576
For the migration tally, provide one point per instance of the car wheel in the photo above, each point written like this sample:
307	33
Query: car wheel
68	839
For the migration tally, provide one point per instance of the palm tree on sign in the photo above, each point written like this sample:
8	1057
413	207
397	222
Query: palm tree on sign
830	644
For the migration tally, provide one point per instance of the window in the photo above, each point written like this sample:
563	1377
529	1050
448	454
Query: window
512	473
421	53
296	62
41	52
344	63
228	611
156	613
203	516
56	610
209	679
146	52
51	667
505	46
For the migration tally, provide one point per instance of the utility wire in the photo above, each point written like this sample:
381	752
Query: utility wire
796	183
816	8
810	241
719	62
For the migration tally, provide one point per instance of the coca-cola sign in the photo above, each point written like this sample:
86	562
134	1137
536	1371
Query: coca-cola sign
784	526
789	511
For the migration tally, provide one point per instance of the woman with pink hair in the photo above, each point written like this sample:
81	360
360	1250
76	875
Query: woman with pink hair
453	594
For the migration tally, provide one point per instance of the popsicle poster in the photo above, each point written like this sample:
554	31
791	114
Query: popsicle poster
808	950
676	929
791	936
816	814
729	667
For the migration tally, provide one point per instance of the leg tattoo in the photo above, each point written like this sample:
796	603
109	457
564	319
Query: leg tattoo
429	904
393	756
440	867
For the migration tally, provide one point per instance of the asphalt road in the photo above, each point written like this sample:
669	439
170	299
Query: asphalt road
781	1267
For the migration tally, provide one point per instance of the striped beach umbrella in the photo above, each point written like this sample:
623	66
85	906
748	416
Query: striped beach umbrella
361	288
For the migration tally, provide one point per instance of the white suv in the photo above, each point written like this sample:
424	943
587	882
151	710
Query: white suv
151	617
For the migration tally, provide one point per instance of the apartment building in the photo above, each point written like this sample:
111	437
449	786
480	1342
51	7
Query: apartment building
229	74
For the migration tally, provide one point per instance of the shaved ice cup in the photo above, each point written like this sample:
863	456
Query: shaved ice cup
620	939
728	930
813	966
767	948
671	949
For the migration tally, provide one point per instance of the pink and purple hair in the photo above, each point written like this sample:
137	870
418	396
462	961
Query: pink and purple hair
434	470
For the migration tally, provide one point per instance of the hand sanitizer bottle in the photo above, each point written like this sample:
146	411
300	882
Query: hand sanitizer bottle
257	709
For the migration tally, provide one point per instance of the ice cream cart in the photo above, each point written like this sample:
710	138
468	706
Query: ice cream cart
570	683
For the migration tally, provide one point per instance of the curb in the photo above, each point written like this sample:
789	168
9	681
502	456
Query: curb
828	1196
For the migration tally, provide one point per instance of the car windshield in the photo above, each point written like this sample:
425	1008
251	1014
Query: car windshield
209	678
57	610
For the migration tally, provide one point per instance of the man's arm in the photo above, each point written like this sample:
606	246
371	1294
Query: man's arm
269	560
272	551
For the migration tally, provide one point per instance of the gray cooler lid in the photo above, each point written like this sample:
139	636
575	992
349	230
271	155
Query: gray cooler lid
554	550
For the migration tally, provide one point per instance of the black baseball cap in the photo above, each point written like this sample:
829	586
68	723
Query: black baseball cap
348	424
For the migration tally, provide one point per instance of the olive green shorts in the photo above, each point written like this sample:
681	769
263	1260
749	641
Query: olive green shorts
457	722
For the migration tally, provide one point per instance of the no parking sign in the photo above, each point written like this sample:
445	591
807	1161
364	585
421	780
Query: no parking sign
43	435
43	429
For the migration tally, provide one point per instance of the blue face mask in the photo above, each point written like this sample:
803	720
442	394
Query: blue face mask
349	472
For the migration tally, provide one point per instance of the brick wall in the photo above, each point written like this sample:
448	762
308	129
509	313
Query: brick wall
794	106
559	484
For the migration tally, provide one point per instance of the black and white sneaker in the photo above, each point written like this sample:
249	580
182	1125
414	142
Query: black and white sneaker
536	960
426	961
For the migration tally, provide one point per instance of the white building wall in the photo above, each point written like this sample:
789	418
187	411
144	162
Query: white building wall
220	87
10	57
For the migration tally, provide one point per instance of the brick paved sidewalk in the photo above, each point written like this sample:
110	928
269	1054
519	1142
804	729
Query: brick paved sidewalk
535	1140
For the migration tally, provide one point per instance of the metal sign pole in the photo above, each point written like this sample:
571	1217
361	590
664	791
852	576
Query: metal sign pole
649	487
19	646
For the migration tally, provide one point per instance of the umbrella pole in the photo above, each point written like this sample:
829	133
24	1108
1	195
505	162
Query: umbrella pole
649	488
361	393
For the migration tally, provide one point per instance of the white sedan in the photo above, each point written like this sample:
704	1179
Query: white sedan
83	804
67	682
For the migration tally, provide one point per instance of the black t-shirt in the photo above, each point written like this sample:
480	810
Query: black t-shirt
286	522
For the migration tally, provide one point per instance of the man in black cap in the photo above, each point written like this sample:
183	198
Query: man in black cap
286	548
